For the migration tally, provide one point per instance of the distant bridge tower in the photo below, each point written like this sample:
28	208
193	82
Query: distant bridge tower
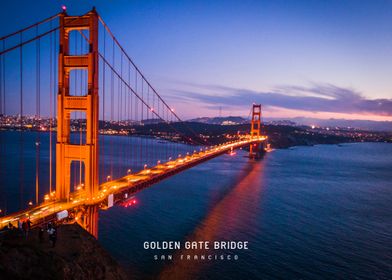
255	131
66	152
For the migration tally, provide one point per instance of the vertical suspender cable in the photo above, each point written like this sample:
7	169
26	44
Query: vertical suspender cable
155	149
21	148
111	113
1	84
3	191
38	116
83	91
50	107
102	156
138	161
4	94
141	126
147	138
121	154
21	80
74	114
128	119
118	124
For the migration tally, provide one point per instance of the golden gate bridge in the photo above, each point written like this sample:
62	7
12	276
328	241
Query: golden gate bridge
59	80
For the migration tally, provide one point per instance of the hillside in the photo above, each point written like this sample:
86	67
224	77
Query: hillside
77	255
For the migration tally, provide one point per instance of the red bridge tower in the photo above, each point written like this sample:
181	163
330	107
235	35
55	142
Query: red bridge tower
255	150
66	152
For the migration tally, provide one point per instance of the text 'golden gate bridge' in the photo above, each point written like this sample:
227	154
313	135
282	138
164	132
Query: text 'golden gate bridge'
64	96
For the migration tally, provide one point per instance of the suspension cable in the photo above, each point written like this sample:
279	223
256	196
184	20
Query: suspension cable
22	43
164	104
30	26
144	78
139	97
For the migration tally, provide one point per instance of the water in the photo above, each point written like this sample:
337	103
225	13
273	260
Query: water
117	154
320	212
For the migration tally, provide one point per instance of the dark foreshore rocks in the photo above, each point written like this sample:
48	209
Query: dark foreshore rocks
77	255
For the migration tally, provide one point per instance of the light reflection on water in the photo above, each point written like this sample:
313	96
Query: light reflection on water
225	220
308	213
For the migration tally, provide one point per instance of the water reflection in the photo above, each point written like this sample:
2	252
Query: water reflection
230	216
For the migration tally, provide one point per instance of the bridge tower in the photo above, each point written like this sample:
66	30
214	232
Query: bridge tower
66	152
255	131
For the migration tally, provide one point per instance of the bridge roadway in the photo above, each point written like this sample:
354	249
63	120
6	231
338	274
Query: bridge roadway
124	186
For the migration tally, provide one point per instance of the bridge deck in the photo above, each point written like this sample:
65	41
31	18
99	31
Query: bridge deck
131	183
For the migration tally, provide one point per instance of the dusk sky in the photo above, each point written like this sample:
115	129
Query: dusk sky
298	58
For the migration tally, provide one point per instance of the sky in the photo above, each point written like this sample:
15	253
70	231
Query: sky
310	58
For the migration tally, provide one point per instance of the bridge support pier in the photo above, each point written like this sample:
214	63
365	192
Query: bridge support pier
87	217
91	220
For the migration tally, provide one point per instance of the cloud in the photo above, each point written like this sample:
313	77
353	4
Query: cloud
315	98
